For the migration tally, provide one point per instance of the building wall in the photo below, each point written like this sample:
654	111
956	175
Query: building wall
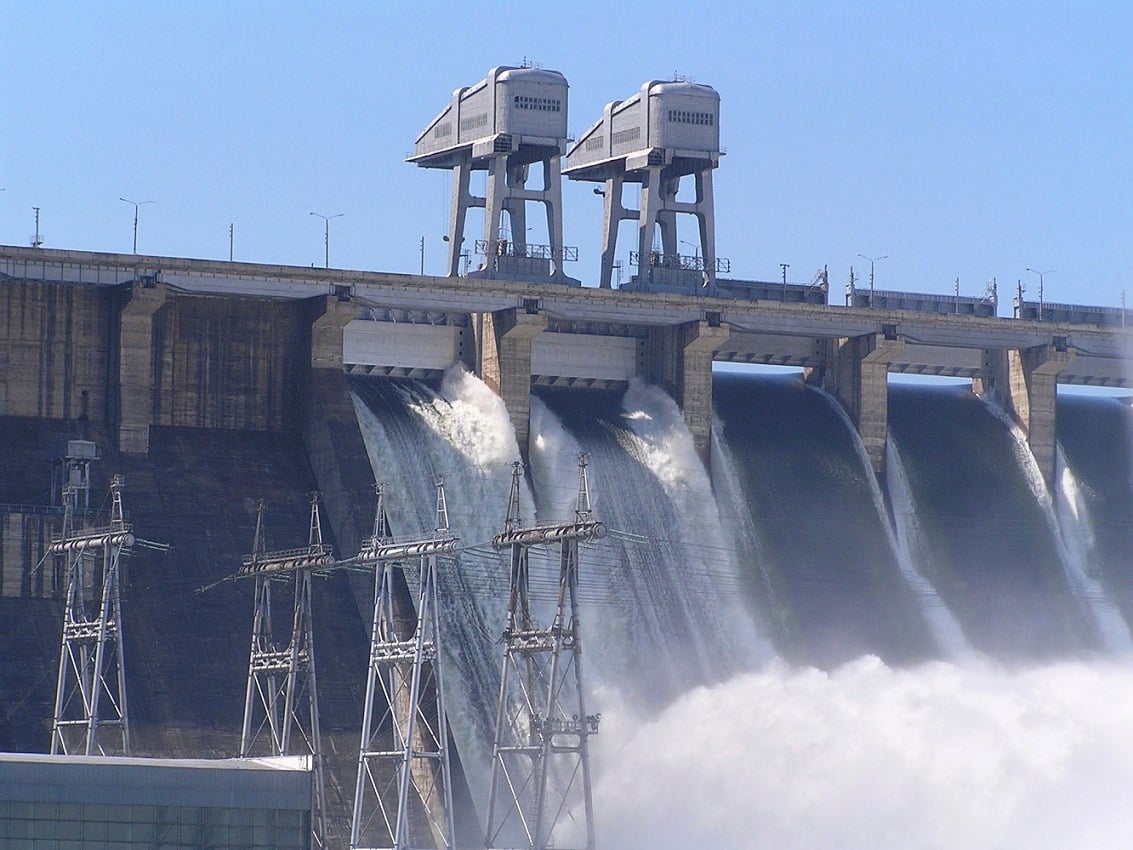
68	803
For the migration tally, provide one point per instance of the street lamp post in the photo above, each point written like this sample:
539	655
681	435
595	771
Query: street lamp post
695	253
872	260
326	234
1040	274
136	205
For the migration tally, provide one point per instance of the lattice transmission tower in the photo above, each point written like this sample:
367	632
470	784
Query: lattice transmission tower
90	698
540	758
403	797
281	706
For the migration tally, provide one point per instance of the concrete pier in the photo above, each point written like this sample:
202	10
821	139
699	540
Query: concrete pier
1028	390
860	381
679	360
505	361
136	367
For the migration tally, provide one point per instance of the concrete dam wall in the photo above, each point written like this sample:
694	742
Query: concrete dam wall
207	401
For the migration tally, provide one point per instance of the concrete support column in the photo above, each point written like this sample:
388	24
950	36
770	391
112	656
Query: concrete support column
860	381
679	360
458	214
496	197
330	428
614	213
505	362
136	367
332	315
1029	392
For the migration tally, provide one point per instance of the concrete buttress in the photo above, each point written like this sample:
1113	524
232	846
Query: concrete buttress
679	360
505	362
136	367
1029	393
860	381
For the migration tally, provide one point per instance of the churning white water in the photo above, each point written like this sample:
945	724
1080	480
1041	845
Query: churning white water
937	757
952	754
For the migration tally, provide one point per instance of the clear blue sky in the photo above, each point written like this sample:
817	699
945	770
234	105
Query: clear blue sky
964	140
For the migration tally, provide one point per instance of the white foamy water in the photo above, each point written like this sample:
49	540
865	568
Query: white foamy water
666	448
938	757
465	434
657	589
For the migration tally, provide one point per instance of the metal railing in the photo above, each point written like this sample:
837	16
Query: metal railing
507	248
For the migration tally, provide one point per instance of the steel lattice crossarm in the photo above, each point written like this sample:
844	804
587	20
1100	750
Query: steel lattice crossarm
540	534
92	538
540	795
403	795
314	557
376	553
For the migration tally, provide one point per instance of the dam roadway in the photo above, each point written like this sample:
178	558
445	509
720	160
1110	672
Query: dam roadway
516	335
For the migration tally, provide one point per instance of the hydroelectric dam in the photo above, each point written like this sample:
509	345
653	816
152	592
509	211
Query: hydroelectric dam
819	519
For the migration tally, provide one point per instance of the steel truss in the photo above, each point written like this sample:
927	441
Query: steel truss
281	707
540	759
403	796
90	698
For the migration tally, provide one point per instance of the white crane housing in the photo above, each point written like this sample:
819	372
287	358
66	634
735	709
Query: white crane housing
512	119
666	131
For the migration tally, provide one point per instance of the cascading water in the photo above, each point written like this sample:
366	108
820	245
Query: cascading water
991	551
667	572
464	433
1072	551
945	630
1079	544
965	753
960	753
911	549
1095	435
828	583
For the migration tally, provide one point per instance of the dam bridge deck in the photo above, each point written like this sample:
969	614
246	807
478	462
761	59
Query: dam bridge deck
165	340
761	332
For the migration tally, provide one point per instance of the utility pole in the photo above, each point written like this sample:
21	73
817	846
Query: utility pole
541	756
326	235
37	239
403	795
1041	274
281	707
136	205
90	697
872	260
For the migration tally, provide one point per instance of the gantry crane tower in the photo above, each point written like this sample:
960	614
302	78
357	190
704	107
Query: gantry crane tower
403	797
540	759
90	699
281	707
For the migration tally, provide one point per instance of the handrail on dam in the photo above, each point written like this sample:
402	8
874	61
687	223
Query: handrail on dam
474	295
761	330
